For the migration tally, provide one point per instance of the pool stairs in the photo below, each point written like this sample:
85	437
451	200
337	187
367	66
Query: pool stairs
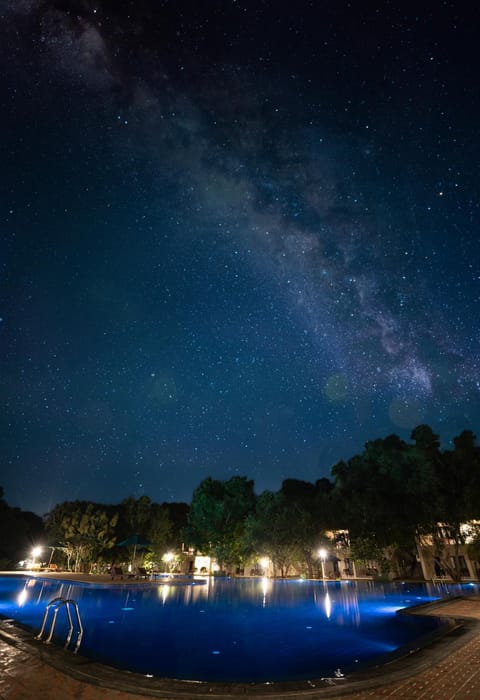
55	605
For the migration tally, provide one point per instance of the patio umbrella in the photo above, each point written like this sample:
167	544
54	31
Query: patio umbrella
137	542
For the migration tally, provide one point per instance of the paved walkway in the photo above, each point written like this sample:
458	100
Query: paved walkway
450	670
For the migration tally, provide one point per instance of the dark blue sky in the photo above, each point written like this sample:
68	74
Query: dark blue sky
238	238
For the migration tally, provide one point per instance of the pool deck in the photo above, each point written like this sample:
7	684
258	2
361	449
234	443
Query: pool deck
447	669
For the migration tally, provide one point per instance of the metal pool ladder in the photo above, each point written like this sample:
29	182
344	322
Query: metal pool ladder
55	604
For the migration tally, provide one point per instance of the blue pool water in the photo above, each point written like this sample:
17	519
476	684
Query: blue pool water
241	630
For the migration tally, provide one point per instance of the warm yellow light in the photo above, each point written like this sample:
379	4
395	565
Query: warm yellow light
168	557
322	553
164	593
265	589
264	563
328	605
36	551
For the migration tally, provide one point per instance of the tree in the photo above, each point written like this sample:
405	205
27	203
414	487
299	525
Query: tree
178	516
20	530
308	506
85	530
135	516
216	518
457	497
369	488
159	528
272	531
373	490
424	458
141	516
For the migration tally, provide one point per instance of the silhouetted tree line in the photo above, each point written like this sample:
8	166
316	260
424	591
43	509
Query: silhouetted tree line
19	530
383	500
78	535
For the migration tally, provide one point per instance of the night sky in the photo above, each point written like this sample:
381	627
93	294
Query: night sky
238	238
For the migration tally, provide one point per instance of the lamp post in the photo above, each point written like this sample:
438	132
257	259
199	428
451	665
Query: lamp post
48	546
322	553
37	551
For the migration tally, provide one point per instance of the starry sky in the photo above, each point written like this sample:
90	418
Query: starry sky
238	238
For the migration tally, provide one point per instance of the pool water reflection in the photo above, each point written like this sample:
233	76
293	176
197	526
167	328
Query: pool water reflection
234	630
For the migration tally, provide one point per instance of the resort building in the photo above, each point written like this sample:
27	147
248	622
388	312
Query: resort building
438	556
447	557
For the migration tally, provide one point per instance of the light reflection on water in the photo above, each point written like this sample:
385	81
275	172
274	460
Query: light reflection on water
233	630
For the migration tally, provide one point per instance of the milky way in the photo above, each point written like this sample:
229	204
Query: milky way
239	239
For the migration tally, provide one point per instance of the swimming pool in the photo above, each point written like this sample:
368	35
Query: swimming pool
232	630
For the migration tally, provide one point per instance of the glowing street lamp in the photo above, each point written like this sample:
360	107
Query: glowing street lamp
322	553
35	554
264	564
168	559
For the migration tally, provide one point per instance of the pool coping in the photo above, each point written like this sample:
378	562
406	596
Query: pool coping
397	667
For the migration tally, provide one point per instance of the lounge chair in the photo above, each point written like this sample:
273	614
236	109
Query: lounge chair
142	572
116	571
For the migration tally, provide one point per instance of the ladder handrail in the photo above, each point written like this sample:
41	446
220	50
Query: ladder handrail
79	623
45	615
57	603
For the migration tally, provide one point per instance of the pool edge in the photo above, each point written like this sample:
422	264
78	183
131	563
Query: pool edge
410	662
